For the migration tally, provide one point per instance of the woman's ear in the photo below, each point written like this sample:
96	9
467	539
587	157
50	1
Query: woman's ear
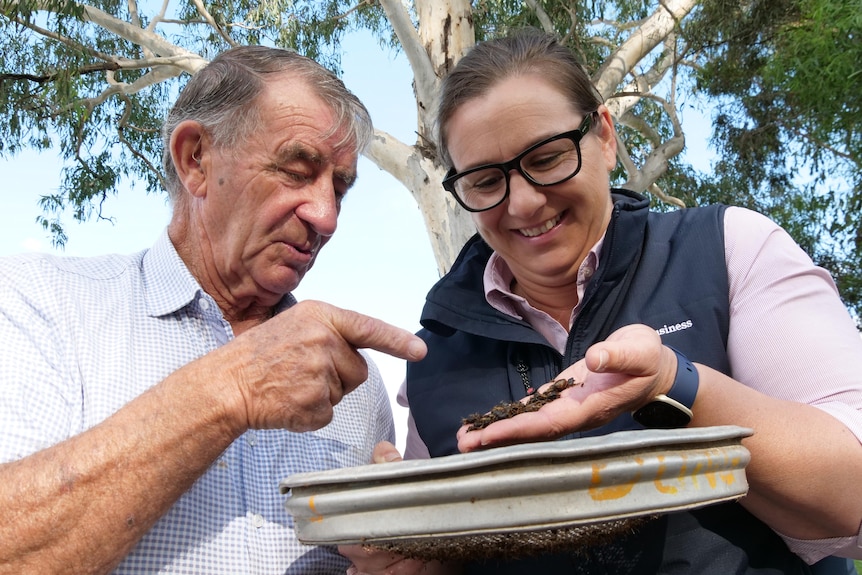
189	152
607	136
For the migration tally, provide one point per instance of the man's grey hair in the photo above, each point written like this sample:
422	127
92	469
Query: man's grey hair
223	98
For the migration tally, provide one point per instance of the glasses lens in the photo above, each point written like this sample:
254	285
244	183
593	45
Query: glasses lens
482	188
552	162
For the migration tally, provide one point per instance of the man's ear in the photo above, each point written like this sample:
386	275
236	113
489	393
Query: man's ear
189	152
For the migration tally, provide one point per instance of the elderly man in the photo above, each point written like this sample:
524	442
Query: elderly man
151	403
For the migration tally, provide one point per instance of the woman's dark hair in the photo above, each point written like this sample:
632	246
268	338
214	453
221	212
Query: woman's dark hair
527	51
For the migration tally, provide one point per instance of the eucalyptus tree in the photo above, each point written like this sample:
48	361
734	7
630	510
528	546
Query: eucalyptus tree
94	77
784	81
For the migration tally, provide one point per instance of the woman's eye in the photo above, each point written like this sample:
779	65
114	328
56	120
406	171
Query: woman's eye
487	183
486	180
545	161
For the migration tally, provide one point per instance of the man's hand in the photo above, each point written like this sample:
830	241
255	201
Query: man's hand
290	371
619	374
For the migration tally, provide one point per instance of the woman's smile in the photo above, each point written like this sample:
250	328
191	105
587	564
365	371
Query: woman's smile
542	228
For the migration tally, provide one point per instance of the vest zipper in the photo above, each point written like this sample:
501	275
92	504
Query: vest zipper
523	370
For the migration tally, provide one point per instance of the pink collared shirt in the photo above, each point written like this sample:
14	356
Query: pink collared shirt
783	312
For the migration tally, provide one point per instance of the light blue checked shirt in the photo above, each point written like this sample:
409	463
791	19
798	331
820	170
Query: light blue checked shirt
83	336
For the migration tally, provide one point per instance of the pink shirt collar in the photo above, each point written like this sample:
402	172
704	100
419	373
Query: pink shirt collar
498	280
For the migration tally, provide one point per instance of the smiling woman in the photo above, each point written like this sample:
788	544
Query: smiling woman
569	278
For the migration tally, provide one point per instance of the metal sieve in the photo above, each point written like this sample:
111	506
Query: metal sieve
520	499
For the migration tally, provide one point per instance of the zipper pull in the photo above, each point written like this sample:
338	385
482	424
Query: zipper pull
523	370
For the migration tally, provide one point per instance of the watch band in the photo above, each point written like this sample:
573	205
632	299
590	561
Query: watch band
686	382
672	409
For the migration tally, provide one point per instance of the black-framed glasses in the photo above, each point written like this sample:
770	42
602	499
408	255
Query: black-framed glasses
549	162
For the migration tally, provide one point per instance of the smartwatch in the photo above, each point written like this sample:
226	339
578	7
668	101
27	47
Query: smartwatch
672	410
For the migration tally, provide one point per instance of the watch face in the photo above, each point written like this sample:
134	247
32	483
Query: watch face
662	413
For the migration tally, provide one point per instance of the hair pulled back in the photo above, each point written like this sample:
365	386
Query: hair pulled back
527	51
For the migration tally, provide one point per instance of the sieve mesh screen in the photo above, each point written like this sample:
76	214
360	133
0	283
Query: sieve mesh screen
576	539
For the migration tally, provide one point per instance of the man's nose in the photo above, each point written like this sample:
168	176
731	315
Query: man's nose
320	209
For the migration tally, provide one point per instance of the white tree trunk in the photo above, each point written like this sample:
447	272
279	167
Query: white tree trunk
445	33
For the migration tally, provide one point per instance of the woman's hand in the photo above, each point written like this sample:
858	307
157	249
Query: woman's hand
619	374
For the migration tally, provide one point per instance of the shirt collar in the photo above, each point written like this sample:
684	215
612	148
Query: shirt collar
498	280
170	286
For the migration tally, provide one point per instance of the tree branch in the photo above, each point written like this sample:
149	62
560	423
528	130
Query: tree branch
656	163
135	18
155	76
423	71
151	27
160	69
45	78
543	17
660	194
392	155
642	41
624	157
202	10
186	60
121	126
350	11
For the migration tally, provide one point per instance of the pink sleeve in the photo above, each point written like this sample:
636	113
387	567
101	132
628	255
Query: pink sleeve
414	447
790	334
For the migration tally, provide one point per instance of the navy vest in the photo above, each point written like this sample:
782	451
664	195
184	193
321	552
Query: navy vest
665	270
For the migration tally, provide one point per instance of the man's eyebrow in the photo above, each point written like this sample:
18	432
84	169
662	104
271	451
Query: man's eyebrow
300	151
346	175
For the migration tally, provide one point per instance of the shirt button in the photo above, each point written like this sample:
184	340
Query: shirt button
204	304
251	438
257	520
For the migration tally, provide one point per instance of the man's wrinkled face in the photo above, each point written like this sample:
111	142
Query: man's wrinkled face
272	201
